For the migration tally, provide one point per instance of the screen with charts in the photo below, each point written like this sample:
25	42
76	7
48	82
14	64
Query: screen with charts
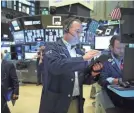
83	38
34	35
18	37
102	42
53	34
31	48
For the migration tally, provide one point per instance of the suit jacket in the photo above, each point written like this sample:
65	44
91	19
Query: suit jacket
110	69
59	76
9	79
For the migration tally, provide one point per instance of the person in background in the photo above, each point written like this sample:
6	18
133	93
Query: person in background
65	72
40	64
9	82
112	73
7	55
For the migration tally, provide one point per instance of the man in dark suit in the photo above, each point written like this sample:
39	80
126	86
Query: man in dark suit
112	72
9	81
64	67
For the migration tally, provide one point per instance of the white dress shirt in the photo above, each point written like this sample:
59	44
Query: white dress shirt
73	53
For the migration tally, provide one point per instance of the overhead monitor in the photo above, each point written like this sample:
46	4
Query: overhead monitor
53	34
34	35
32	22
19	37
15	25
102	42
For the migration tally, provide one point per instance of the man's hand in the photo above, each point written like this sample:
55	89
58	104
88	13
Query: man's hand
15	97
96	67
89	55
115	81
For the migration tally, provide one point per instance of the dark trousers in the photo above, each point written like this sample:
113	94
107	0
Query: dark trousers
4	107
39	74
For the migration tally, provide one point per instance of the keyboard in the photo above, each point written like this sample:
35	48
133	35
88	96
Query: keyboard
122	88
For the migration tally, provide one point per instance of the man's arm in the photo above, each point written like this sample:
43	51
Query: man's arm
59	64
14	79
105	76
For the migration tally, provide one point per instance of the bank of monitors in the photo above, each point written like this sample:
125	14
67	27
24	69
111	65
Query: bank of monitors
53	34
102	42
18	37
34	35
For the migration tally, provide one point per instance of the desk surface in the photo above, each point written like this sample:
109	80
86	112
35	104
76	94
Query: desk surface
124	93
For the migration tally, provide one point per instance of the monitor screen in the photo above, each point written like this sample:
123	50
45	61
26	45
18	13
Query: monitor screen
19	52
30	55
27	48
34	35
53	34
5	48
32	22
18	37
102	42
15	25
34	48
83	38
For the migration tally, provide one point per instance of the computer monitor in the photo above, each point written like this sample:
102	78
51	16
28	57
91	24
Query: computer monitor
102	42
5	48
34	35
30	55
128	70
53	34
19	37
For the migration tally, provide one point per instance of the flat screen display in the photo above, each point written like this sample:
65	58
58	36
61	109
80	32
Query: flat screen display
83	38
5	48
15	25
30	55
102	42
18	37
52	35
34	35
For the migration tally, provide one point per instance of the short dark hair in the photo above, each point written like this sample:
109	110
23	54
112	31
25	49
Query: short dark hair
112	41
68	22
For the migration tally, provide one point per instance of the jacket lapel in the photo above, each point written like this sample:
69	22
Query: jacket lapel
64	48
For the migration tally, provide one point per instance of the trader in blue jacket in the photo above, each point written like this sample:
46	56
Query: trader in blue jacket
112	74
64	67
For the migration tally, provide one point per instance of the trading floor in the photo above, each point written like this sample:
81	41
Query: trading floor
30	98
